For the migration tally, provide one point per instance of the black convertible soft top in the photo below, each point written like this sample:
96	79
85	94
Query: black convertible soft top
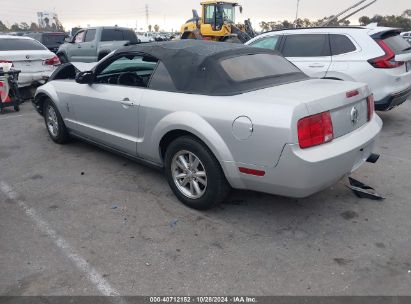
195	66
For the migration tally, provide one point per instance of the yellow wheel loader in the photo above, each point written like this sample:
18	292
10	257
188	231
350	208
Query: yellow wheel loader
218	24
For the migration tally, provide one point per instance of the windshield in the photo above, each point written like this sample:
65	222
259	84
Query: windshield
397	43
257	66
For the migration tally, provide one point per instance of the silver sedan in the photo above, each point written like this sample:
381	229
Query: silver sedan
215	116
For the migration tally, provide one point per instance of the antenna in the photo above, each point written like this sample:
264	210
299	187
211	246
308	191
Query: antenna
147	15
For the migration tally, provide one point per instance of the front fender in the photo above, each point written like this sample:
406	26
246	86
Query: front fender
45	91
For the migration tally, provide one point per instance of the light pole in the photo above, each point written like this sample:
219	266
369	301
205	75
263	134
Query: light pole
296	13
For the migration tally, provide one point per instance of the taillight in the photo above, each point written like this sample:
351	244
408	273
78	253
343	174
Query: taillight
315	130
52	61
388	60
370	106
6	61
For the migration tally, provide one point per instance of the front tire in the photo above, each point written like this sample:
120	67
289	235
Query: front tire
194	174
54	123
63	58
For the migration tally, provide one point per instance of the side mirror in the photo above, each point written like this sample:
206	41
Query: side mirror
84	77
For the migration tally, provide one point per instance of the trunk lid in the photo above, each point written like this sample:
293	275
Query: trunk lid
319	95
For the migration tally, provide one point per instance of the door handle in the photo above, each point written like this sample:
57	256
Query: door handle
79	46
316	65
127	103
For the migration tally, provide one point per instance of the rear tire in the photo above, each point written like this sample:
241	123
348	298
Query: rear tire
54	123
17	108
194	174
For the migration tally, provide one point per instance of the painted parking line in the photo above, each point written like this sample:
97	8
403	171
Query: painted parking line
92	274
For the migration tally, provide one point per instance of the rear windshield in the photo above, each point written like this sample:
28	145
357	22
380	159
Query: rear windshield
20	45
118	35
397	44
257	66
53	39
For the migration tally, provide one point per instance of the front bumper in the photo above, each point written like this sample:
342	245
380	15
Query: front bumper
393	100
301	173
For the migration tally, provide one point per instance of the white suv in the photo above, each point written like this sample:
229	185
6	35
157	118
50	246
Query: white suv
377	56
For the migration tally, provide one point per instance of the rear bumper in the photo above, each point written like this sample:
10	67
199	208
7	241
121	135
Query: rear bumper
301	173
393	100
28	79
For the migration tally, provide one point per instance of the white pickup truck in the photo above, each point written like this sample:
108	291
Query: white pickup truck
94	43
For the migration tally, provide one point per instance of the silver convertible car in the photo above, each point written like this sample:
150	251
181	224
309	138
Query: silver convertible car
215	116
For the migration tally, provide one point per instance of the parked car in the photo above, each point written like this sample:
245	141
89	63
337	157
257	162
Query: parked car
33	59
145	37
93	44
406	34
215	116
377	56
51	40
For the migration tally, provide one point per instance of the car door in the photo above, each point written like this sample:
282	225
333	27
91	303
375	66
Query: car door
107	110
87	49
309	52
344	51
74	48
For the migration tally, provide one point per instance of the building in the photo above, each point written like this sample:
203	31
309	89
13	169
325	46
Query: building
47	19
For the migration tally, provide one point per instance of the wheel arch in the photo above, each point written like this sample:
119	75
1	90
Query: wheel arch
170	128
40	97
338	76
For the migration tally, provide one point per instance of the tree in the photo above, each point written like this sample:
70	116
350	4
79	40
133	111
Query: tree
150	27
34	27
403	21
15	28
265	26
24	26
364	20
156	28
3	27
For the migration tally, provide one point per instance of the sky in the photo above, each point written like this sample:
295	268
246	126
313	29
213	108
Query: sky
172	14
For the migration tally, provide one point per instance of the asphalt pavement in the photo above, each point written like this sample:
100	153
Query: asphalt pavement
77	220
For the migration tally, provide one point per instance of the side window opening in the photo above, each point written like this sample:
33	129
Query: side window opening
90	35
162	80
306	45
341	44
266	43
130	70
79	37
209	14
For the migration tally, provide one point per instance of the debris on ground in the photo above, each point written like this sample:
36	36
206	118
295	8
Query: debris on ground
173	224
363	191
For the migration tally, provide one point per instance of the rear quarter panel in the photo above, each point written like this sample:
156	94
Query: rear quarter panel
211	119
